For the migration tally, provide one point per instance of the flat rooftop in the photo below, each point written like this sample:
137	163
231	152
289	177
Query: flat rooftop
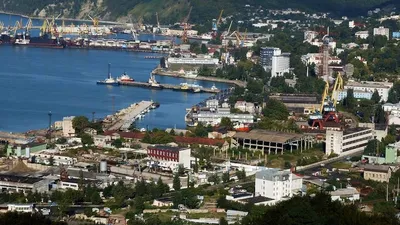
166	147
370	84
19	179
354	130
268	136
256	199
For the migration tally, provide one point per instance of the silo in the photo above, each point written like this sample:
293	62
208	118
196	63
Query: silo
103	166
27	153
18	151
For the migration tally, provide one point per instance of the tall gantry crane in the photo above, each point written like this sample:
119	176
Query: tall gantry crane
216	22
186	26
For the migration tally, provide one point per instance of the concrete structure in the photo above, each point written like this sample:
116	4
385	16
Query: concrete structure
162	202
280	64
382	31
379	173
168	157
21	208
266	54
362	34
387	157
394	113
68	129
245	106
339	141
193	61
268	141
310	35
212	103
345	194
274	184
57	159
23	183
316	58
102	141
25	150
365	89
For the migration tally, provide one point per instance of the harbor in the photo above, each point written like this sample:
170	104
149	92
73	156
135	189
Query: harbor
181	87
123	119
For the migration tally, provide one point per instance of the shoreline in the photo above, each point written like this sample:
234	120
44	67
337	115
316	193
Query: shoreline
158	71
66	19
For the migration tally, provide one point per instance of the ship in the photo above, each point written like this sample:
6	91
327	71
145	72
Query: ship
45	40
153	83
214	88
109	80
5	37
22	39
125	78
203	37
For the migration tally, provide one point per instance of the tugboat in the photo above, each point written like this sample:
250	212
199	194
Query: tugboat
214	88
109	80
125	78
153	83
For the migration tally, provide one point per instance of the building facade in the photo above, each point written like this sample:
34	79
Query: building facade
266	54
362	34
169	157
245	106
214	118
382	31
68	129
280	64
339	141
274	184
193	61
365	89
379	173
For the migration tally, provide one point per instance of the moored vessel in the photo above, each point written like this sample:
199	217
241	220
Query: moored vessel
125	78
153	83
109	80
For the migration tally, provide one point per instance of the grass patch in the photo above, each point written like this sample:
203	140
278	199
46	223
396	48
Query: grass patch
341	165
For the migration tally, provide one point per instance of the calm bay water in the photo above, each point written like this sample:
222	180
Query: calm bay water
34	81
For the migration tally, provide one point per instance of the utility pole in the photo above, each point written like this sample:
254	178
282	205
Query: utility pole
93	116
387	192
49	114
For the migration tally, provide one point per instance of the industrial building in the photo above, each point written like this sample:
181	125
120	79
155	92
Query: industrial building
25	150
389	156
272	141
379	173
208	117
365	89
298	103
67	128
339	141
169	158
23	183
193	61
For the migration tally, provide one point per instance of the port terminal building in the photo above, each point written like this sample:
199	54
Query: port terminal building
298	103
272	141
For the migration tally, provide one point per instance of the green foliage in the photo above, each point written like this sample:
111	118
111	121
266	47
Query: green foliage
117	143
176	183
275	110
61	140
79	123
214	178
375	97
86	139
225	177
226	122
16	218
187	197
223	221
157	137
241	174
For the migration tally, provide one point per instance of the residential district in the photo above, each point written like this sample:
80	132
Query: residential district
313	108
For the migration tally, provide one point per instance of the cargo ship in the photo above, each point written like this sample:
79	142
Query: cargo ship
109	80
5	37
44	40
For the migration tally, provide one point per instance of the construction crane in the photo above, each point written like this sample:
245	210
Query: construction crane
95	21
158	30
216	22
185	26
28	25
16	27
338	86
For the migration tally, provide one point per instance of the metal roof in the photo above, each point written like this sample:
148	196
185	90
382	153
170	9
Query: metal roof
268	136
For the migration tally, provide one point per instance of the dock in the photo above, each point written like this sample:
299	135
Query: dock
168	86
123	119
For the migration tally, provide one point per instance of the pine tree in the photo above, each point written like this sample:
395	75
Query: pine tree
176	183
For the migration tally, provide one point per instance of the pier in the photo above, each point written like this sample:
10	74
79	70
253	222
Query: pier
167	86
122	120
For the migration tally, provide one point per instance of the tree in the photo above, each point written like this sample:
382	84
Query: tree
226	122
225	177
176	183
95	198
86	139
139	205
61	140
181	170
51	161
214	178
275	110
241	174
117	143
350	101
161	187
79	123
223	221
375	97
204	49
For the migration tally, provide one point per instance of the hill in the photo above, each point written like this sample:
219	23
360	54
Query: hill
175	10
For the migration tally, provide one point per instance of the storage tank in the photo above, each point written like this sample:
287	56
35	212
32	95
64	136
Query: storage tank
103	166
27	153
18	151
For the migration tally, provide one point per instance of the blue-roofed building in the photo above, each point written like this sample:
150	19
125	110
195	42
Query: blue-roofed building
396	35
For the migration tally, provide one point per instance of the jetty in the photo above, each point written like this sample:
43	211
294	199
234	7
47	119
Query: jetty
123	119
168	86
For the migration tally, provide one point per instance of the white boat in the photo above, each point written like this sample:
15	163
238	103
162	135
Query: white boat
214	88
109	80
153	83
125	78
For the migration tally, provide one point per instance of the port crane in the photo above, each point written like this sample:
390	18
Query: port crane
215	24
185	26
158	30
96	22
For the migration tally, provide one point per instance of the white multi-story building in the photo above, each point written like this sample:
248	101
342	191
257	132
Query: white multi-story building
168	157
68	129
245	106
394	113
193	61
310	35
22	208
365	89
362	34
266	54
276	184
339	141
382	31
280	64
316	58
212	103
207	117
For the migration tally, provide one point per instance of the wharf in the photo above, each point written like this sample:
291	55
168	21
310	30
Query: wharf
161	72
167	86
123	119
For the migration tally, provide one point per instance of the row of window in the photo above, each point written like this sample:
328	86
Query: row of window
163	153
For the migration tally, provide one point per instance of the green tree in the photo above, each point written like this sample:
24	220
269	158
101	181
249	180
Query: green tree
161	187
181	170
61	140
51	161
79	123
95	198
117	143
275	110
226	122
139	205
223	221
176	183
241	174
214	178
375	97
225	177
86	139
350	101
204	49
